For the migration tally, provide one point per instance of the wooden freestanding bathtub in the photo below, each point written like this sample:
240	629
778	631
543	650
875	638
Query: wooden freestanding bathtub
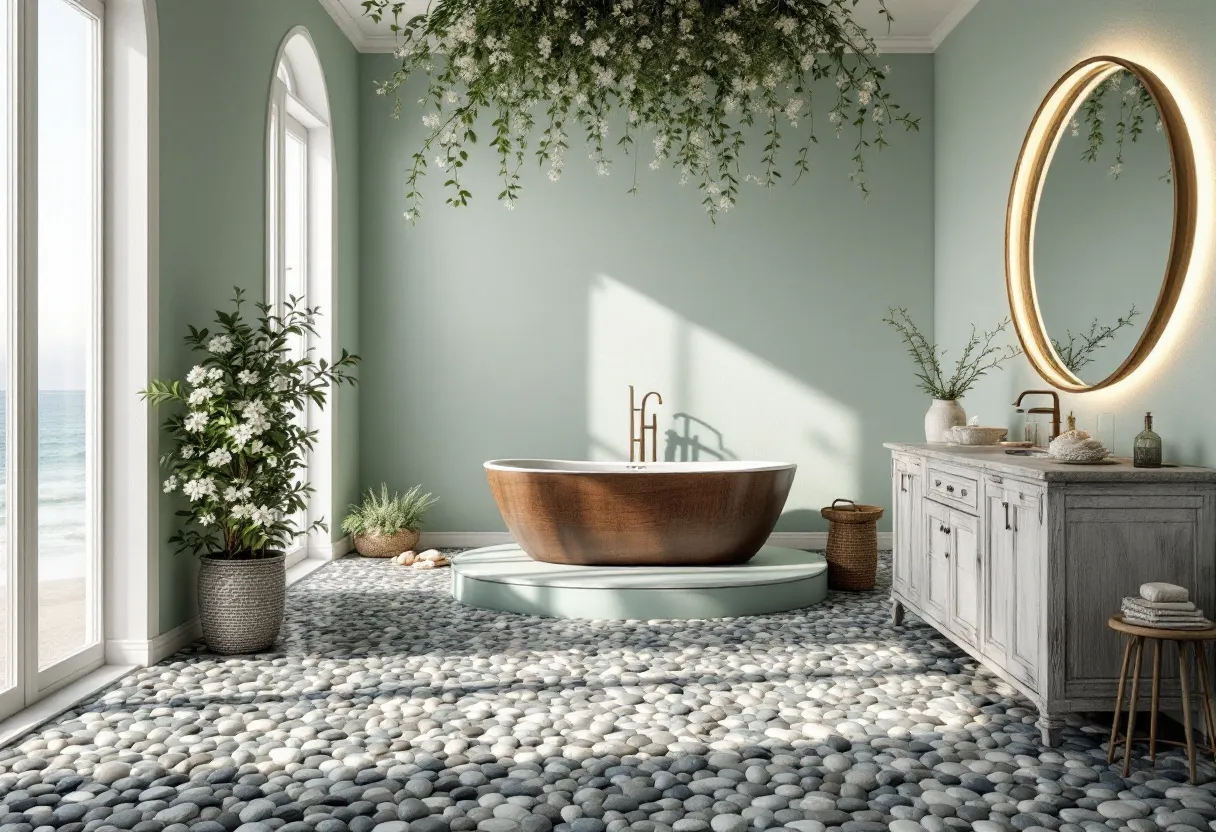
646	513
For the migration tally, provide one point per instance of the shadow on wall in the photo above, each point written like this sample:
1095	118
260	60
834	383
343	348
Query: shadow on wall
683	445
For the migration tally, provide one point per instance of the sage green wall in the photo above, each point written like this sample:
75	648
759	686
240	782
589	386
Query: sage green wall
991	74
217	60
489	333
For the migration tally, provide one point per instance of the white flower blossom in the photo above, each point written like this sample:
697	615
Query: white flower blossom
262	516
234	494
430	121
599	47
196	422
214	374
240	512
240	434
219	457
282	383
786	25
1116	169
171	484
199	396
576	39
197	489
220	345
198	375
206	519
187	452
544	46
247	377
255	447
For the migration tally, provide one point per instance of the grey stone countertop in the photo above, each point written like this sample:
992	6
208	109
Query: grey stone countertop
994	459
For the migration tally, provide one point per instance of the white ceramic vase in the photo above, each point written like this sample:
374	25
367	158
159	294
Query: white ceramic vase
943	414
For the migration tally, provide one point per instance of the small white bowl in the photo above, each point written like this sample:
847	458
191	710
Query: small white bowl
976	435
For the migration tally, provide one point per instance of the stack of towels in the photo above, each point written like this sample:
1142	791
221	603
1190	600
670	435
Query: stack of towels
1163	607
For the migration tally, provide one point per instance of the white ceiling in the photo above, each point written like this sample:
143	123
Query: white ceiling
920	25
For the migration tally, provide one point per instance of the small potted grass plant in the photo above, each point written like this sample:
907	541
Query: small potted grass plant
236	450
385	525
943	384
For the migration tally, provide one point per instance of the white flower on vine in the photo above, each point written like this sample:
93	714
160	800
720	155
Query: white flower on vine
452	97
255	447
1160	126
262	516
198	375
686	25
1116	169
171	484
808	61
220	345
206	519
197	489
793	109
835	116
725	204
786	25
879	114
601	167
544	46
508	203
240	434
240	512
247	377
863	97
219	457
196	422
430	121
645	43
282	383
187	453
599	47
576	39
655	164
441	162
729	38
233	493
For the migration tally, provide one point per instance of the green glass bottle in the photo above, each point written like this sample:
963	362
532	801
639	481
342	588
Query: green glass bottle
1147	452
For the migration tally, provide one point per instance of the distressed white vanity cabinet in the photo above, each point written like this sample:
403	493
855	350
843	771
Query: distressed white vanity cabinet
1021	561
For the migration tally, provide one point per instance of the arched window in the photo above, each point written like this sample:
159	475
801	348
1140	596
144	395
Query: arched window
300	234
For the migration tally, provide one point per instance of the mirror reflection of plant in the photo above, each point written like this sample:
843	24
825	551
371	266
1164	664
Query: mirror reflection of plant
979	356
693	75
238	445
1079	348
1136	105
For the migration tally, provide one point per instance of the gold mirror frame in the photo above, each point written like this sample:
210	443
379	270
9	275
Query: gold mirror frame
1037	151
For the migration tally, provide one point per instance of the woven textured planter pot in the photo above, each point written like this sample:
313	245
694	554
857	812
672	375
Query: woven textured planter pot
386	545
240	603
852	545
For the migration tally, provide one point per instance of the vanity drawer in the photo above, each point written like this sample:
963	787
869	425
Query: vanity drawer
952	488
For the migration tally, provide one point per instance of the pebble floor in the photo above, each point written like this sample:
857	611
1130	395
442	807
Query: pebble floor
388	708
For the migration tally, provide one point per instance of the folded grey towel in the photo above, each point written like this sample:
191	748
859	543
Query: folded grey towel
1195	615
1157	591
1153	610
1157	625
1161	606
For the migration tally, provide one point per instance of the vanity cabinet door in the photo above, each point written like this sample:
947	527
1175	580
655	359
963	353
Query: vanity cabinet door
1028	544
935	591
906	568
997	577
964	548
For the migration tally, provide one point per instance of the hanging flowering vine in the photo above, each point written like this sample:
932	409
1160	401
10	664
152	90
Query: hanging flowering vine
690	75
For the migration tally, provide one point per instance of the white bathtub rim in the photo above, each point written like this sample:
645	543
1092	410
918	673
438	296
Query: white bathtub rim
568	466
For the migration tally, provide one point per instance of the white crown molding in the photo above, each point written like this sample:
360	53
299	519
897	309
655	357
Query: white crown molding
348	25
953	19
888	44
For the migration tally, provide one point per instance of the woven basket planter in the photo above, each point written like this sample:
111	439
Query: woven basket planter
240	603
852	545
386	545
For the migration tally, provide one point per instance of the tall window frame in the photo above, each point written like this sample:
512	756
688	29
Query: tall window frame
300	235
31	670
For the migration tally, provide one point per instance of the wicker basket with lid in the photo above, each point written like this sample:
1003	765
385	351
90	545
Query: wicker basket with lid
852	544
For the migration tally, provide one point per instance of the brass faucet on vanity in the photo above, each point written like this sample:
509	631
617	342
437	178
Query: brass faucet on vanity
1054	410
638	428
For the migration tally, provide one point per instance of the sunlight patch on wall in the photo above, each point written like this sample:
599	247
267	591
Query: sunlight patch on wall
720	401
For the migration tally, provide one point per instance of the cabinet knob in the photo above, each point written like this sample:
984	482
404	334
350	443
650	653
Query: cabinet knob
937	483
949	489
964	492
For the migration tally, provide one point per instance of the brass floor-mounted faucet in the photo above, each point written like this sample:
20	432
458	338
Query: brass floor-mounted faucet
1054	410
637	438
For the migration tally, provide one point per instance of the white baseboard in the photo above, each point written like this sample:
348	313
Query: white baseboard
341	548
146	652
475	540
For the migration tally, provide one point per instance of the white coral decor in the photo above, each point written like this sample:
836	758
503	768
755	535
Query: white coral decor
709	80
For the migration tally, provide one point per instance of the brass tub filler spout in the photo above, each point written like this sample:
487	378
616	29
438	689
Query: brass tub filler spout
638	428
1054	410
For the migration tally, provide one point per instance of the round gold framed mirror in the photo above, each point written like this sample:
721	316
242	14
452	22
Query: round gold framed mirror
1101	224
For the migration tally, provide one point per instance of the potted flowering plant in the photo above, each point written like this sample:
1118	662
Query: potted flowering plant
238	447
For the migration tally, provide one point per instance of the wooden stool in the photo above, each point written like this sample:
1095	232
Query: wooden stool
1194	640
